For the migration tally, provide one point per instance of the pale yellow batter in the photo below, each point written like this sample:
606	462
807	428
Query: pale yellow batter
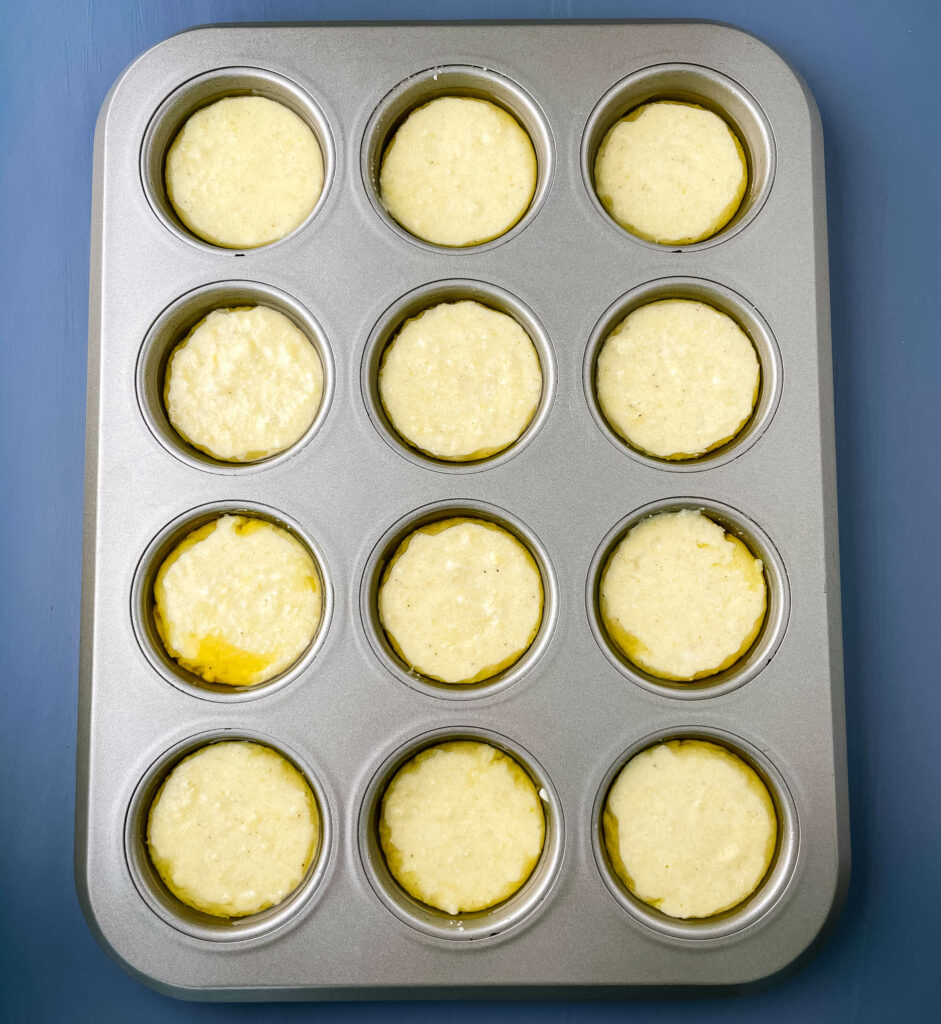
237	601
461	826
672	173
690	828
461	600
458	171
233	829
677	378
244	384
682	598
460	381
244	171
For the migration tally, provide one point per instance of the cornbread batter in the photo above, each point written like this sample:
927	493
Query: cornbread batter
233	829
461	826
460	381
244	384
677	378
682	598
690	828
237	601
243	172
672	173
461	600
458	171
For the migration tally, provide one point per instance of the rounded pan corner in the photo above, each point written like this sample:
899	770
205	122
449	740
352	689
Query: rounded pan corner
129	69
795	959
730	28
86	903
813	111
810	101
108	102
152	981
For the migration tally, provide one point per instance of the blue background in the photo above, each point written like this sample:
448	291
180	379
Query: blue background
873	69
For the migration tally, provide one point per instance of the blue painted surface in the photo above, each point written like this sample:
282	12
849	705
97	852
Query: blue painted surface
872	67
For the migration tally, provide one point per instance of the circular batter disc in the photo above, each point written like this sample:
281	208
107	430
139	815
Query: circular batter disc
245	384
460	381
458	171
677	378
461	826
243	172
233	829
673	173
681	598
461	600
237	601
690	828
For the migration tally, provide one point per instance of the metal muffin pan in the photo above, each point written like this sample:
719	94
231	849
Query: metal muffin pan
571	711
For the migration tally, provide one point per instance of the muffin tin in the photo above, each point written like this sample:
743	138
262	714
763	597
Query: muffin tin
571	711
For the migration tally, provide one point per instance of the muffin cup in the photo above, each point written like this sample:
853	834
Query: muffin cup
385	550
705	87
153	890
201	91
772	886
142	602
494	922
726	301
173	325
466	81
764	646
415	302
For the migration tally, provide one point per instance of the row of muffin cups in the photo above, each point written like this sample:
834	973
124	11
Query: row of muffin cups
674	82
533	897
173	325
750	662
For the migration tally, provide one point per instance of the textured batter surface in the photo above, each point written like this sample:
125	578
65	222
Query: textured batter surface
237	601
690	828
462	826
243	172
460	381
244	384
682	598
677	378
461	600
670	172
233	829
459	171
